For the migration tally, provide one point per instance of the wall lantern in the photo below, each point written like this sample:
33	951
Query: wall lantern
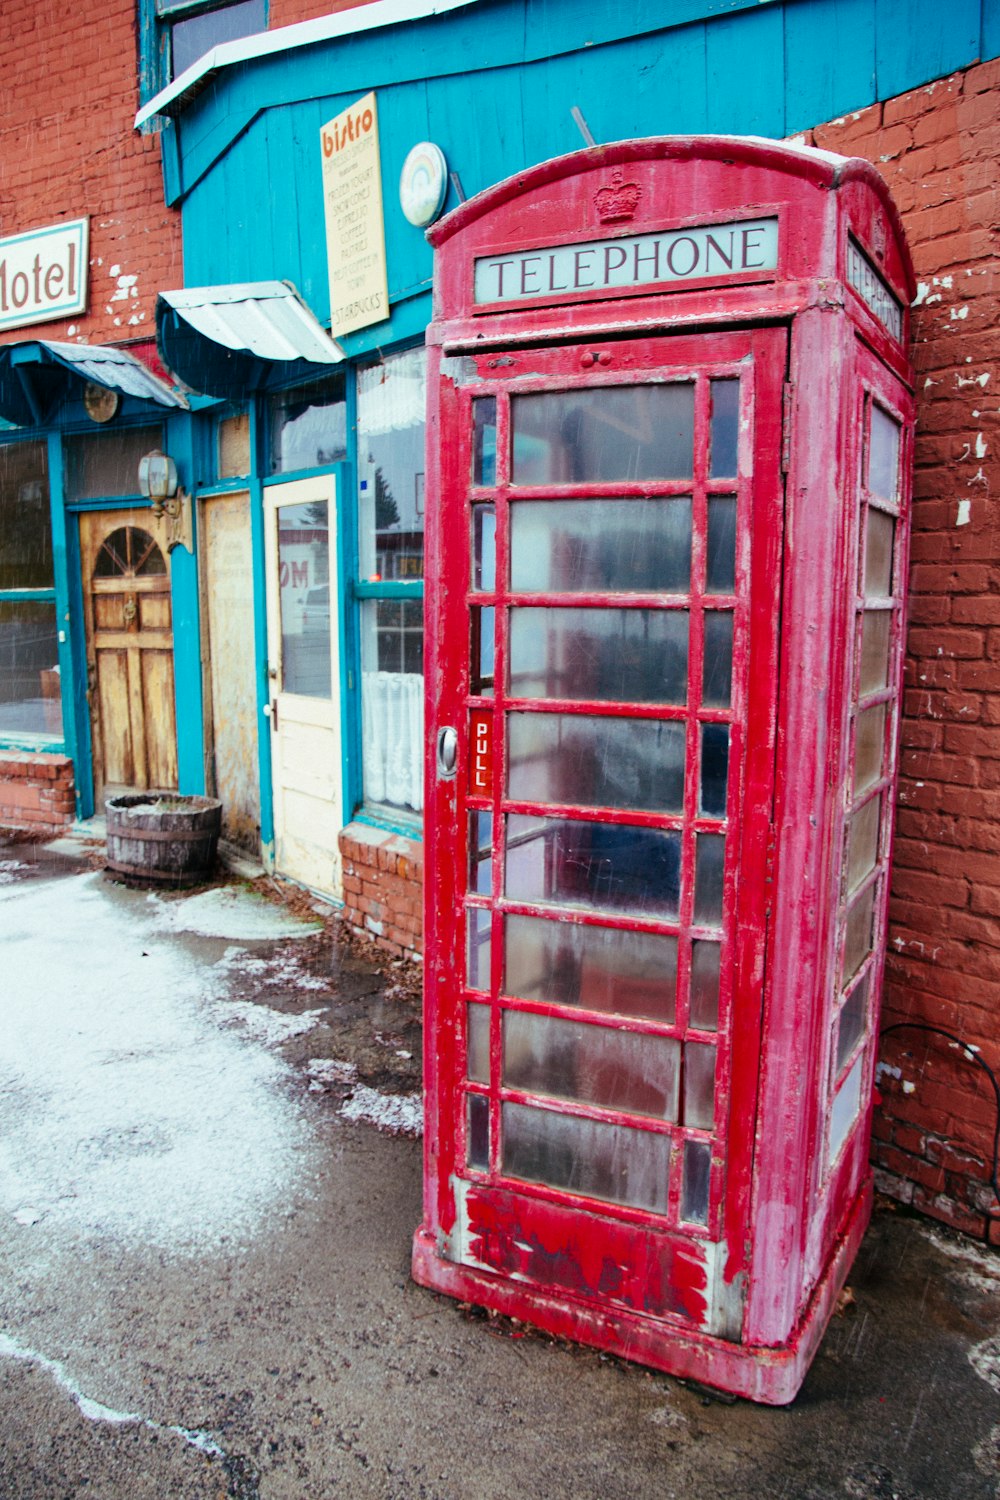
158	483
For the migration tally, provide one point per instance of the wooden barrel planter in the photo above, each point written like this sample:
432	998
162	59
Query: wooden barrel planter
159	838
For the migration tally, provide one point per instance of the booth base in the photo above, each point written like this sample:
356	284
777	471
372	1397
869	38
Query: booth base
771	1374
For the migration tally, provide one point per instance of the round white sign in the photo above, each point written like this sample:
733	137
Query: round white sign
423	184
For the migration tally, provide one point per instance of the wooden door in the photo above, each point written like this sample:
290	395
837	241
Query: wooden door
228	621
130	652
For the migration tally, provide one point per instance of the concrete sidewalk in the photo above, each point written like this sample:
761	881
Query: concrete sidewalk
209	1182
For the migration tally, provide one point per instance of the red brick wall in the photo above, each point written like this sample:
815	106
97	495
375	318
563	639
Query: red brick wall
68	150
938	148
286	12
383	887
36	792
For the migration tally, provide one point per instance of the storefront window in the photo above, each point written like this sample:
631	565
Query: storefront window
391	397
308	427
30	701
107	463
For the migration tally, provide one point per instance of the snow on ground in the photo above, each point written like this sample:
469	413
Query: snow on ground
126	1108
230	911
9	869
272	1027
395	1114
284	970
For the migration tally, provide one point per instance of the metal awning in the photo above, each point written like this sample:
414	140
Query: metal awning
33	377
229	340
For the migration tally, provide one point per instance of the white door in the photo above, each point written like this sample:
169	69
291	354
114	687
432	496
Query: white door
303	651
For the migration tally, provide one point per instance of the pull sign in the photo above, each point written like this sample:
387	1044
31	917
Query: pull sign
481	757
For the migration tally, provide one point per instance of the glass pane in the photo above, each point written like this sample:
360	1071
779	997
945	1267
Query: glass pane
601	866
869	746
710	858
30	694
596	762
704	1008
478	1045
714	769
477	1132
604	433
592	1064
107	463
609	655
601	546
234	446
883	455
598	968
725	427
484	548
308	426
478	920
610	1162
846	1105
720	562
862	842
480	852
391	401
25	522
697	1176
483	646
717	676
304	580
193	37
129	552
699	1085
880	535
853	1020
484	440
875	631
858	934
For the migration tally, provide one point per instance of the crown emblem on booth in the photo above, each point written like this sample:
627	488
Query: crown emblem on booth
617	200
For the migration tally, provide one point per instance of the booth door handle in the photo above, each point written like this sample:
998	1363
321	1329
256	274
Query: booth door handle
447	753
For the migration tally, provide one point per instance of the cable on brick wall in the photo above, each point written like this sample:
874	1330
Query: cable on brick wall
972	1055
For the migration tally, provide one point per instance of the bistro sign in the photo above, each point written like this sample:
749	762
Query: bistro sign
691	254
43	274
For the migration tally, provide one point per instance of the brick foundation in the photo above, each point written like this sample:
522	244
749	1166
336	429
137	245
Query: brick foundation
383	888
938	149
36	792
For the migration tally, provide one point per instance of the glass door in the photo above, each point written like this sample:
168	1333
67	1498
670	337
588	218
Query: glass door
620	509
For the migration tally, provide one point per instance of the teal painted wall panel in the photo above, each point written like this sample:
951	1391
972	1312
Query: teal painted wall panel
990	43
745	73
823	77
918	40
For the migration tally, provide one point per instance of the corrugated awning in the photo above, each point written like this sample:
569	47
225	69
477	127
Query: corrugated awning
229	340
33	377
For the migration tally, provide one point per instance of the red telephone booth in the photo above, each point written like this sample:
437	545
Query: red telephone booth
669	446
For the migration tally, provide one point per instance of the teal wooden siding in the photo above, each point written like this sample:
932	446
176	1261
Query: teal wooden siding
244	163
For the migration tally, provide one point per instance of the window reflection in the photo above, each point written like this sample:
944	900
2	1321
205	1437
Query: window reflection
613	655
604	433
601	546
304	579
603	866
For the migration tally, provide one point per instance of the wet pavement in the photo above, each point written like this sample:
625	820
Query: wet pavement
209	1182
